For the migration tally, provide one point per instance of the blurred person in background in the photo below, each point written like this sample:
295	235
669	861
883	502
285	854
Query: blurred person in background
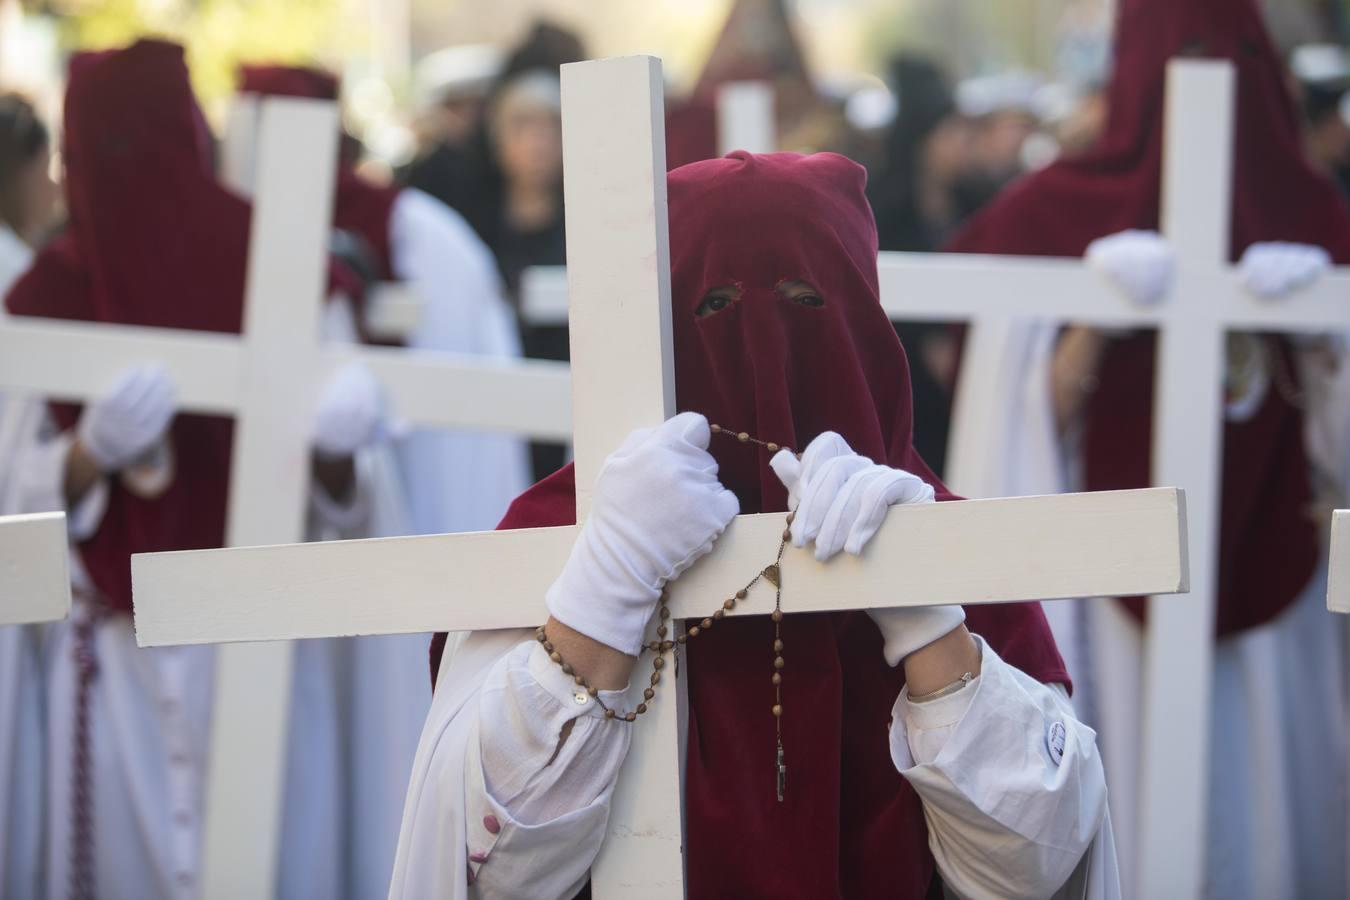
154	240
525	134
1082	415
914	194
1322	72
451	88
28	200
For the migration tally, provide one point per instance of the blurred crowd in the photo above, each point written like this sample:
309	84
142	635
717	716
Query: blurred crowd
488	126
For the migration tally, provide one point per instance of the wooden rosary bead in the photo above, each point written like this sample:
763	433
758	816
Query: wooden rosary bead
648	694
787	535
609	714
656	677
771	447
707	623
776	615
777	646
777	679
743	437
681	639
742	594
641	708
555	656
567	670
667	645
716	429
658	663
777	711
792	517
693	632
665	613
578	680
719	614
778	662
548	647
730	604
662	631
592	691
631	717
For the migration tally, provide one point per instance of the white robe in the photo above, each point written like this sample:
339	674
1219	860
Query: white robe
1006	818
1279	752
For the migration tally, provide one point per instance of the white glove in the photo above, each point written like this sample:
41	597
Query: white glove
125	423
1276	269
840	500
1141	263
657	509
351	412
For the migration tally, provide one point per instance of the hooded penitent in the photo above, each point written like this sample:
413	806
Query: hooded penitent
154	240
1268	542
785	370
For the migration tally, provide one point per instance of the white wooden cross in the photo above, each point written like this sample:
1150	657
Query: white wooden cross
1207	300
622	360
269	378
34	568
1338	575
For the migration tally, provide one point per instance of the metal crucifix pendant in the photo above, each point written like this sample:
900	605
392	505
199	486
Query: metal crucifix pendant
782	772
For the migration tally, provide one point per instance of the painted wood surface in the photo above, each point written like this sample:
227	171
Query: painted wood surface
1338	581
34	569
975	551
745	118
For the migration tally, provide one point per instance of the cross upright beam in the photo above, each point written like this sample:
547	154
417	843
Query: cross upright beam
34	568
1338	579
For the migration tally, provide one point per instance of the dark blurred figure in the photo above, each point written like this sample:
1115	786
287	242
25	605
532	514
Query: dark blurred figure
916	193
507	183
1323	75
463	171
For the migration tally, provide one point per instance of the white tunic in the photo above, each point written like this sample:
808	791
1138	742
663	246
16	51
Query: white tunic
1007	815
1279	738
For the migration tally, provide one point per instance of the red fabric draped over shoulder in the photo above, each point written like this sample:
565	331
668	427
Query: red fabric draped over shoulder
850	825
1268	543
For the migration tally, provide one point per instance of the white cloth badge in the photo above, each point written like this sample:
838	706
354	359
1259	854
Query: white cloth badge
1054	741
